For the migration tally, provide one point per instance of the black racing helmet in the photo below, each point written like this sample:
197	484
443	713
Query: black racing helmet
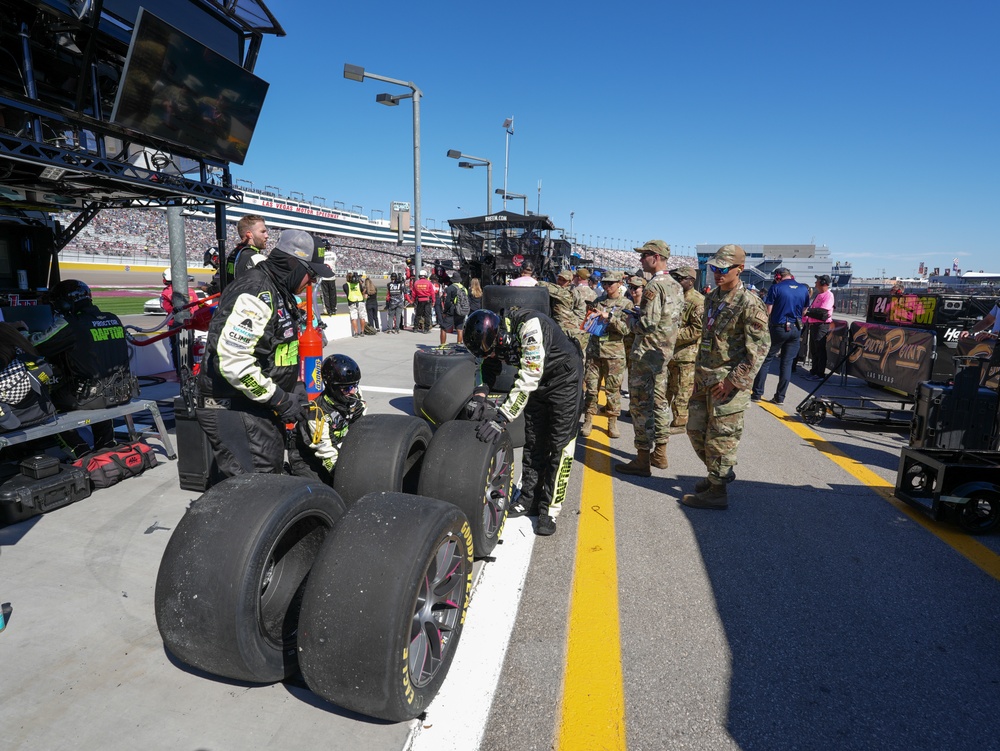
482	332
340	375
70	295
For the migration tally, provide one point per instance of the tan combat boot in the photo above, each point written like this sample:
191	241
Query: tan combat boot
659	457
715	497
613	427
638	466
678	428
588	425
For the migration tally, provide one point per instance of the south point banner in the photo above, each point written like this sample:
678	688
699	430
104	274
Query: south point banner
891	356
991	367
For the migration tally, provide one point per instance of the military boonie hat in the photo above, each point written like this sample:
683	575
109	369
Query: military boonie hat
655	246
685	272
583	273
567	275
613	276
728	255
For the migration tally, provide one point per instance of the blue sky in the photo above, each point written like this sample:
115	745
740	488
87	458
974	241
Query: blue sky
871	127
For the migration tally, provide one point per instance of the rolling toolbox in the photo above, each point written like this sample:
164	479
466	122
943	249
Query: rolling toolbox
196	467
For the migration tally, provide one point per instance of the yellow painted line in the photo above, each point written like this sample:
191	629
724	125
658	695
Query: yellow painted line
592	715
967	546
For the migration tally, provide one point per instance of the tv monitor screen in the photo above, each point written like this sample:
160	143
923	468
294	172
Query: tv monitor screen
177	89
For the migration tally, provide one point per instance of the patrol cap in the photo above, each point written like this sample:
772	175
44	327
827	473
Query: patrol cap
300	244
728	255
822	279
685	272
655	246
612	276
637	280
583	273
566	275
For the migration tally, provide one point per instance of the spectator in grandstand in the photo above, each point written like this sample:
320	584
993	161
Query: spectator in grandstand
526	279
253	234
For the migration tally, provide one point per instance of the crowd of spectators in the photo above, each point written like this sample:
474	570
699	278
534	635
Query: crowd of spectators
140	235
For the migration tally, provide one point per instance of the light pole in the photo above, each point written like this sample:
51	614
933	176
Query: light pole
456	154
511	196
381	214
508	125
357	73
320	199
572	237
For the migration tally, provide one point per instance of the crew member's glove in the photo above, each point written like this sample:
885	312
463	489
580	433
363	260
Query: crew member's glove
490	430
480	409
291	407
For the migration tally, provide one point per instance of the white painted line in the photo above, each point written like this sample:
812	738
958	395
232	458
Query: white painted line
386	390
456	719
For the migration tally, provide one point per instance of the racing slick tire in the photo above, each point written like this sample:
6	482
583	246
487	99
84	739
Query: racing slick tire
449	394
431	363
476	477
419	394
383	611
381	452
498	297
230	583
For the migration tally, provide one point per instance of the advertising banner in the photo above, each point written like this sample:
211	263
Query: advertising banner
891	356
836	342
991	368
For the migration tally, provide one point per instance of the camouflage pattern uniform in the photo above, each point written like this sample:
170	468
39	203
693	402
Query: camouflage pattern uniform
680	381
606	355
568	310
656	331
635	280
734	343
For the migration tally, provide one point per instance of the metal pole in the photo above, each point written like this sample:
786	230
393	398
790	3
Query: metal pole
417	255
489	187
178	260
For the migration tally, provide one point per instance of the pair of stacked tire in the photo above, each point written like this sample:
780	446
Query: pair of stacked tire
444	377
363	588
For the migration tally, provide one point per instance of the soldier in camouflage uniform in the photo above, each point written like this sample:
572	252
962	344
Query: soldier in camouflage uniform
568	308
636	286
655	328
606	355
734	342
680	381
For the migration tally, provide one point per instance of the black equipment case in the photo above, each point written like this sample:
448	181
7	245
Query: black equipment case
23	497
944	418
196	467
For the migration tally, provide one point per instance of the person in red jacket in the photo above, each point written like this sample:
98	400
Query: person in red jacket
423	293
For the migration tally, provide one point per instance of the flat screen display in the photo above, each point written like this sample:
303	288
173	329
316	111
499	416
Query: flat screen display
177	89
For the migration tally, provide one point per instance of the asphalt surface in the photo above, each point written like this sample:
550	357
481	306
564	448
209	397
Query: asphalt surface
813	614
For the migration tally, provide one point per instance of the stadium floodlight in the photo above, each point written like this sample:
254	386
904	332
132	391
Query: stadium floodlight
512	196
478	161
359	74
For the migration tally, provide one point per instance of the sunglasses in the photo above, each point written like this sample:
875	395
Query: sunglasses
719	269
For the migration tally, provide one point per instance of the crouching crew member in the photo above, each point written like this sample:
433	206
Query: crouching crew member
248	378
89	356
547	389
318	437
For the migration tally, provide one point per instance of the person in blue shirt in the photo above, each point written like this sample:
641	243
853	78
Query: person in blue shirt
786	302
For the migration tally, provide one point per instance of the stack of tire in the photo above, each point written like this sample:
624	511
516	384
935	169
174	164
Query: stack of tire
362	588
444	377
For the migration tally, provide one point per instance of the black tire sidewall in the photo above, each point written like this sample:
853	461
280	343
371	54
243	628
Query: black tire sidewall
374	455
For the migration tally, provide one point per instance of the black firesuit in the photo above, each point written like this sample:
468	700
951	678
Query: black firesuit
251	361
316	445
241	259
89	354
548	389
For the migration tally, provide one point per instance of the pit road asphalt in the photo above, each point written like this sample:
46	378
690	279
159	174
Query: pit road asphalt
813	614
